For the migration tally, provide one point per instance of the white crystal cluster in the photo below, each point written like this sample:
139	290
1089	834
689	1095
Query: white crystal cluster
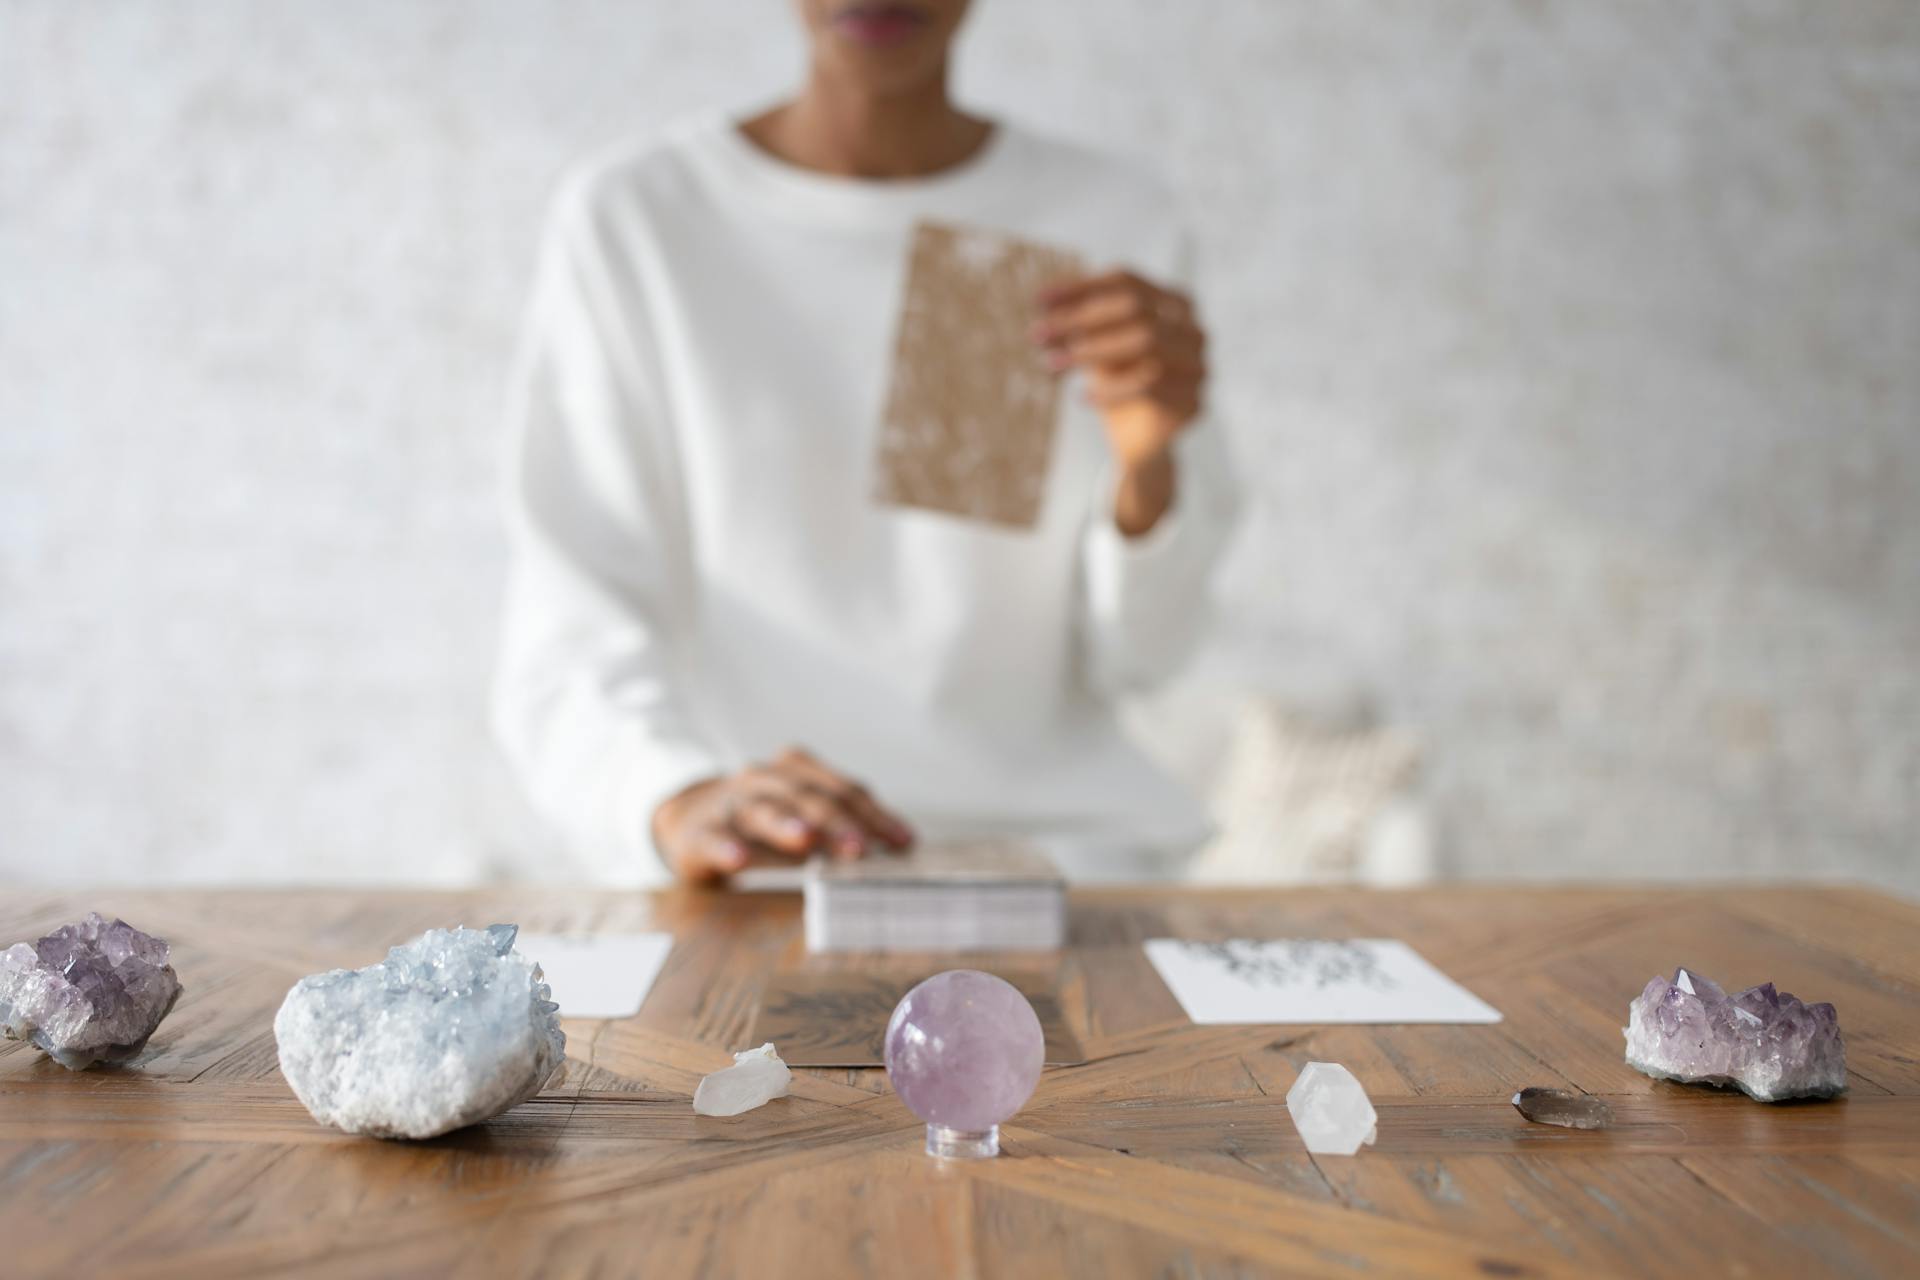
1766	1043
1331	1110
756	1078
450	1029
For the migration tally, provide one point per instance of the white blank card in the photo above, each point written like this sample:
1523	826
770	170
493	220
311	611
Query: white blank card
597	975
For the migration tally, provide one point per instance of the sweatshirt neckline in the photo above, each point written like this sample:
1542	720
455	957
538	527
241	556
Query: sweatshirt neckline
854	198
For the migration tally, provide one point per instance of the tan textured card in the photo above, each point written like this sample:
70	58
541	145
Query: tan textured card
969	420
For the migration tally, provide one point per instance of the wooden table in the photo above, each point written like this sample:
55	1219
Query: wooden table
1169	1153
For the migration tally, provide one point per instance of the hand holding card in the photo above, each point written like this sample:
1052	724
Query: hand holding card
1143	352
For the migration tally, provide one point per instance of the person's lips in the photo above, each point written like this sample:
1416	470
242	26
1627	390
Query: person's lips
880	25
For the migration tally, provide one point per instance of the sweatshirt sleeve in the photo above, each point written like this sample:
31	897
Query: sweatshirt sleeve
1145	599
586	700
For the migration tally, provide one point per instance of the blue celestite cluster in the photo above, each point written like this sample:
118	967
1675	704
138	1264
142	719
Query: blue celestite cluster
450	1029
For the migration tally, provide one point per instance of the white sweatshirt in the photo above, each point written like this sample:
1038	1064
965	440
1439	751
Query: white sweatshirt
699	575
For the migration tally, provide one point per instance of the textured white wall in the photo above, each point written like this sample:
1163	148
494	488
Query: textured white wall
1575	349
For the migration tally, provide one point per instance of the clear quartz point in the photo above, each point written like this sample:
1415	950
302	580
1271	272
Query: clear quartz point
1331	1110
756	1078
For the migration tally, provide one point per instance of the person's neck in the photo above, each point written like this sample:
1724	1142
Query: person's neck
854	134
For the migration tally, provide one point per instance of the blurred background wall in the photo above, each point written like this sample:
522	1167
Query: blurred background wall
1573	349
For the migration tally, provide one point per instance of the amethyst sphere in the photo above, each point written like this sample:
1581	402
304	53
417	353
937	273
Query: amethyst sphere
964	1052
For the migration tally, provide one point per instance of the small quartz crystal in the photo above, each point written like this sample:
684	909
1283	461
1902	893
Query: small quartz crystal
450	1029
1764	1042
1568	1110
88	992
1330	1109
756	1078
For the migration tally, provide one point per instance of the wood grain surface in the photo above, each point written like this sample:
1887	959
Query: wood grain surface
1167	1153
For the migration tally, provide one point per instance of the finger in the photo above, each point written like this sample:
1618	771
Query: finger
1090	312
850	801
779	781
758	778
841	834
772	820
1173	306
1149	376
710	853
858	803
1120	344
1171	364
1066	292
1179	397
1114	383
1180	346
1129	298
760	857
1176	345
895	831
854	798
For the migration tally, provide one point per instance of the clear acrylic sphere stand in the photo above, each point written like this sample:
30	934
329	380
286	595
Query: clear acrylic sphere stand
962	1144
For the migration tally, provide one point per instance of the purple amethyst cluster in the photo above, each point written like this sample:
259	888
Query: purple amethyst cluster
1765	1043
88	992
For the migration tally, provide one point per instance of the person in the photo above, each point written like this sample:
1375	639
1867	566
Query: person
699	574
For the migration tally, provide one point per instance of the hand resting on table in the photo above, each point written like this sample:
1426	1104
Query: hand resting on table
784	809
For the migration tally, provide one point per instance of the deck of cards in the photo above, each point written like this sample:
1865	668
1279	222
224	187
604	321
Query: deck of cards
972	896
